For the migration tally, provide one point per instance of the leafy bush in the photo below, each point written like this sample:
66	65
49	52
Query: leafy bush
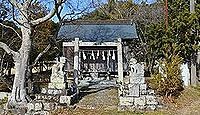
3	101
168	82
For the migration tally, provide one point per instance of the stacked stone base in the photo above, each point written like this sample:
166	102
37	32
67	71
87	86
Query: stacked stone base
49	100
135	94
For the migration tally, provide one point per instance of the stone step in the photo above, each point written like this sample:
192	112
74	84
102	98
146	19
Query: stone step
34	107
46	98
51	91
45	105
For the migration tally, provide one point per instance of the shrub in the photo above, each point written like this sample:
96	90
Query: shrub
168	82
3	101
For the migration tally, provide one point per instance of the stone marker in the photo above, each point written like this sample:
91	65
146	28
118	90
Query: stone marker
57	76
65	100
38	106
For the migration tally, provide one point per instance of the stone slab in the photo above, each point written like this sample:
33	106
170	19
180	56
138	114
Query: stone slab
140	101
126	80
44	91
38	106
57	85
137	80
58	77
126	101
151	107
143	86
151	100
49	106
134	90
30	107
42	113
137	70
50	91
143	92
151	92
65	100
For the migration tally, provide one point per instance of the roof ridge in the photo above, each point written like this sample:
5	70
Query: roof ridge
99	22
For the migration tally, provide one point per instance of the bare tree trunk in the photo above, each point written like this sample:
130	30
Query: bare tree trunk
21	58
21	65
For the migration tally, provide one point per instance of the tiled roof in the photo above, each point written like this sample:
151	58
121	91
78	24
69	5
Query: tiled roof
98	30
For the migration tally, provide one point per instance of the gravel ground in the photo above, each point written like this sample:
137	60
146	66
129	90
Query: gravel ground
100	95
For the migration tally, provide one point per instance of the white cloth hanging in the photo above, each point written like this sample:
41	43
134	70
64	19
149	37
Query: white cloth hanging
113	55
97	53
93	55
109	54
104	58
84	56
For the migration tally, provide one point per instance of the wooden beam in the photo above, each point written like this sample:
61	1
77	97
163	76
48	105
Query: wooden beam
90	44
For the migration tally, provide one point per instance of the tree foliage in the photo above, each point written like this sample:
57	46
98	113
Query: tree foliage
113	10
179	41
168	80
182	30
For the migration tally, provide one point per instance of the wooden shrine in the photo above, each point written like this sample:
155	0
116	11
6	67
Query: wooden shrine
96	48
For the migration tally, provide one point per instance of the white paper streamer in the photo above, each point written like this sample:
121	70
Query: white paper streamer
104	58
93	55
113	55
109	54
84	56
97	53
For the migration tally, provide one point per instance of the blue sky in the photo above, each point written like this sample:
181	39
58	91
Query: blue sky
78	6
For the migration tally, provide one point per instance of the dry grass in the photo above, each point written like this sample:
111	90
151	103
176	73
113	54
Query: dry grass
188	103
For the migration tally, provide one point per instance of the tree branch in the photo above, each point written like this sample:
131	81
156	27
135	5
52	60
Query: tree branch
28	2
15	3
40	55
11	29
8	50
50	15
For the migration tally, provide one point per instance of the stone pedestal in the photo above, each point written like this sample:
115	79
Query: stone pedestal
135	91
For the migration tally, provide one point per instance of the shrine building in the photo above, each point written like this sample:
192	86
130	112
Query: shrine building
96	48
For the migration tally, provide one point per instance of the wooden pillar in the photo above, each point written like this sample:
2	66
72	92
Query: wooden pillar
120	61
76	60
108	65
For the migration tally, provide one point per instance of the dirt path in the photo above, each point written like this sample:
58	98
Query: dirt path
99	99
105	102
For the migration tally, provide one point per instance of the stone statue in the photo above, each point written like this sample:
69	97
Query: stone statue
57	76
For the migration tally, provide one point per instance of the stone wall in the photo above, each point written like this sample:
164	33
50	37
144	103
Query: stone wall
135	92
49	99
